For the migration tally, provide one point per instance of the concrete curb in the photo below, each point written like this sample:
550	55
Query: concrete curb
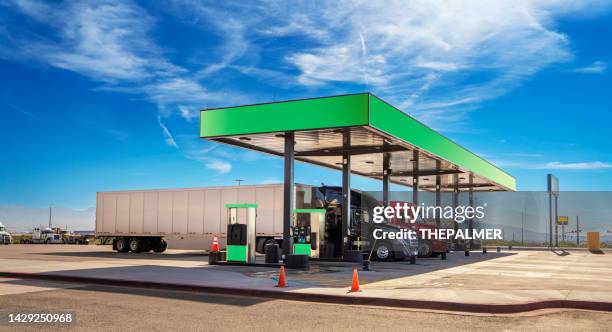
326	298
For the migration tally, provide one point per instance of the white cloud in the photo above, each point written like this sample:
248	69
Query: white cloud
476	50
596	67
167	135
222	167
577	166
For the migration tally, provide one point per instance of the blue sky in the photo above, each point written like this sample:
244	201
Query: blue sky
104	95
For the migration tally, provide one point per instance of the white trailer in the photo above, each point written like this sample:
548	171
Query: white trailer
143	220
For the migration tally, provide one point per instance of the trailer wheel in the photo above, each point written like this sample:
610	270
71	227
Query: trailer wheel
121	244
145	245
135	245
158	245
383	251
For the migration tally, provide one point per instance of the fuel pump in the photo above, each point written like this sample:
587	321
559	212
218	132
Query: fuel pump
307	231
241	238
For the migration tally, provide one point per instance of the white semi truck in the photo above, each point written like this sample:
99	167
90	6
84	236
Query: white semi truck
143	220
43	235
5	236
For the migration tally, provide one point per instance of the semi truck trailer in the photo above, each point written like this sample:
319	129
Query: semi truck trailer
145	220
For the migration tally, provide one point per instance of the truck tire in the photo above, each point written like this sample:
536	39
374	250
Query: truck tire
145	245
383	251
260	247
425	248
47	241
135	245
158	245
121	244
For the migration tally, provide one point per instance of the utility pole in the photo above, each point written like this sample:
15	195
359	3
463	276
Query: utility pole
49	216
239	181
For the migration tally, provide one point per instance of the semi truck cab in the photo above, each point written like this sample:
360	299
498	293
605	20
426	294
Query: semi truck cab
5	236
361	228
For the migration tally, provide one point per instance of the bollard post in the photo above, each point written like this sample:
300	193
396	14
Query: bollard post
498	249
484	250
366	265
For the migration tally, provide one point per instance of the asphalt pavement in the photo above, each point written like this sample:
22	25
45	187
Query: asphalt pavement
119	308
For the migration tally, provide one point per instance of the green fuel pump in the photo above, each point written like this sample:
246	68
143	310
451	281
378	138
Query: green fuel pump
241	237
308	230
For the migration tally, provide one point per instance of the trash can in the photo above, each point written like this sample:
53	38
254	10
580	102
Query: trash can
297	261
215	257
272	253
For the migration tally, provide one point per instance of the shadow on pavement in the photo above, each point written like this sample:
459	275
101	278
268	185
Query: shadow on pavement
194	255
240	301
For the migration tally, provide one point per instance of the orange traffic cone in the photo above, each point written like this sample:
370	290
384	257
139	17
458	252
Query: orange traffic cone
215	246
355	283
281	278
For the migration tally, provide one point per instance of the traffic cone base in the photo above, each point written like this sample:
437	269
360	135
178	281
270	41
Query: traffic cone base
282	282
355	282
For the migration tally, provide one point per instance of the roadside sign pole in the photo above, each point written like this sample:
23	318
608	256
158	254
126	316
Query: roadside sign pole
578	231
556	218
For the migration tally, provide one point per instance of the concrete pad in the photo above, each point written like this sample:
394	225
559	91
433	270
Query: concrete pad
501	279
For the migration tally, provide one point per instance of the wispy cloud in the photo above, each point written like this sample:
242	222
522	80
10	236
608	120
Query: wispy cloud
222	167
577	166
596	67
167	135
437	60
553	165
110	42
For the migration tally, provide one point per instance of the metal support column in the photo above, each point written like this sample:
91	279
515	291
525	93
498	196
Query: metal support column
415	177
471	204
346	188
386	177
288	191
438	195
455	201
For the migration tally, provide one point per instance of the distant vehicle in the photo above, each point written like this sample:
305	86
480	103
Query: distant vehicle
69	237
5	236
44	235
